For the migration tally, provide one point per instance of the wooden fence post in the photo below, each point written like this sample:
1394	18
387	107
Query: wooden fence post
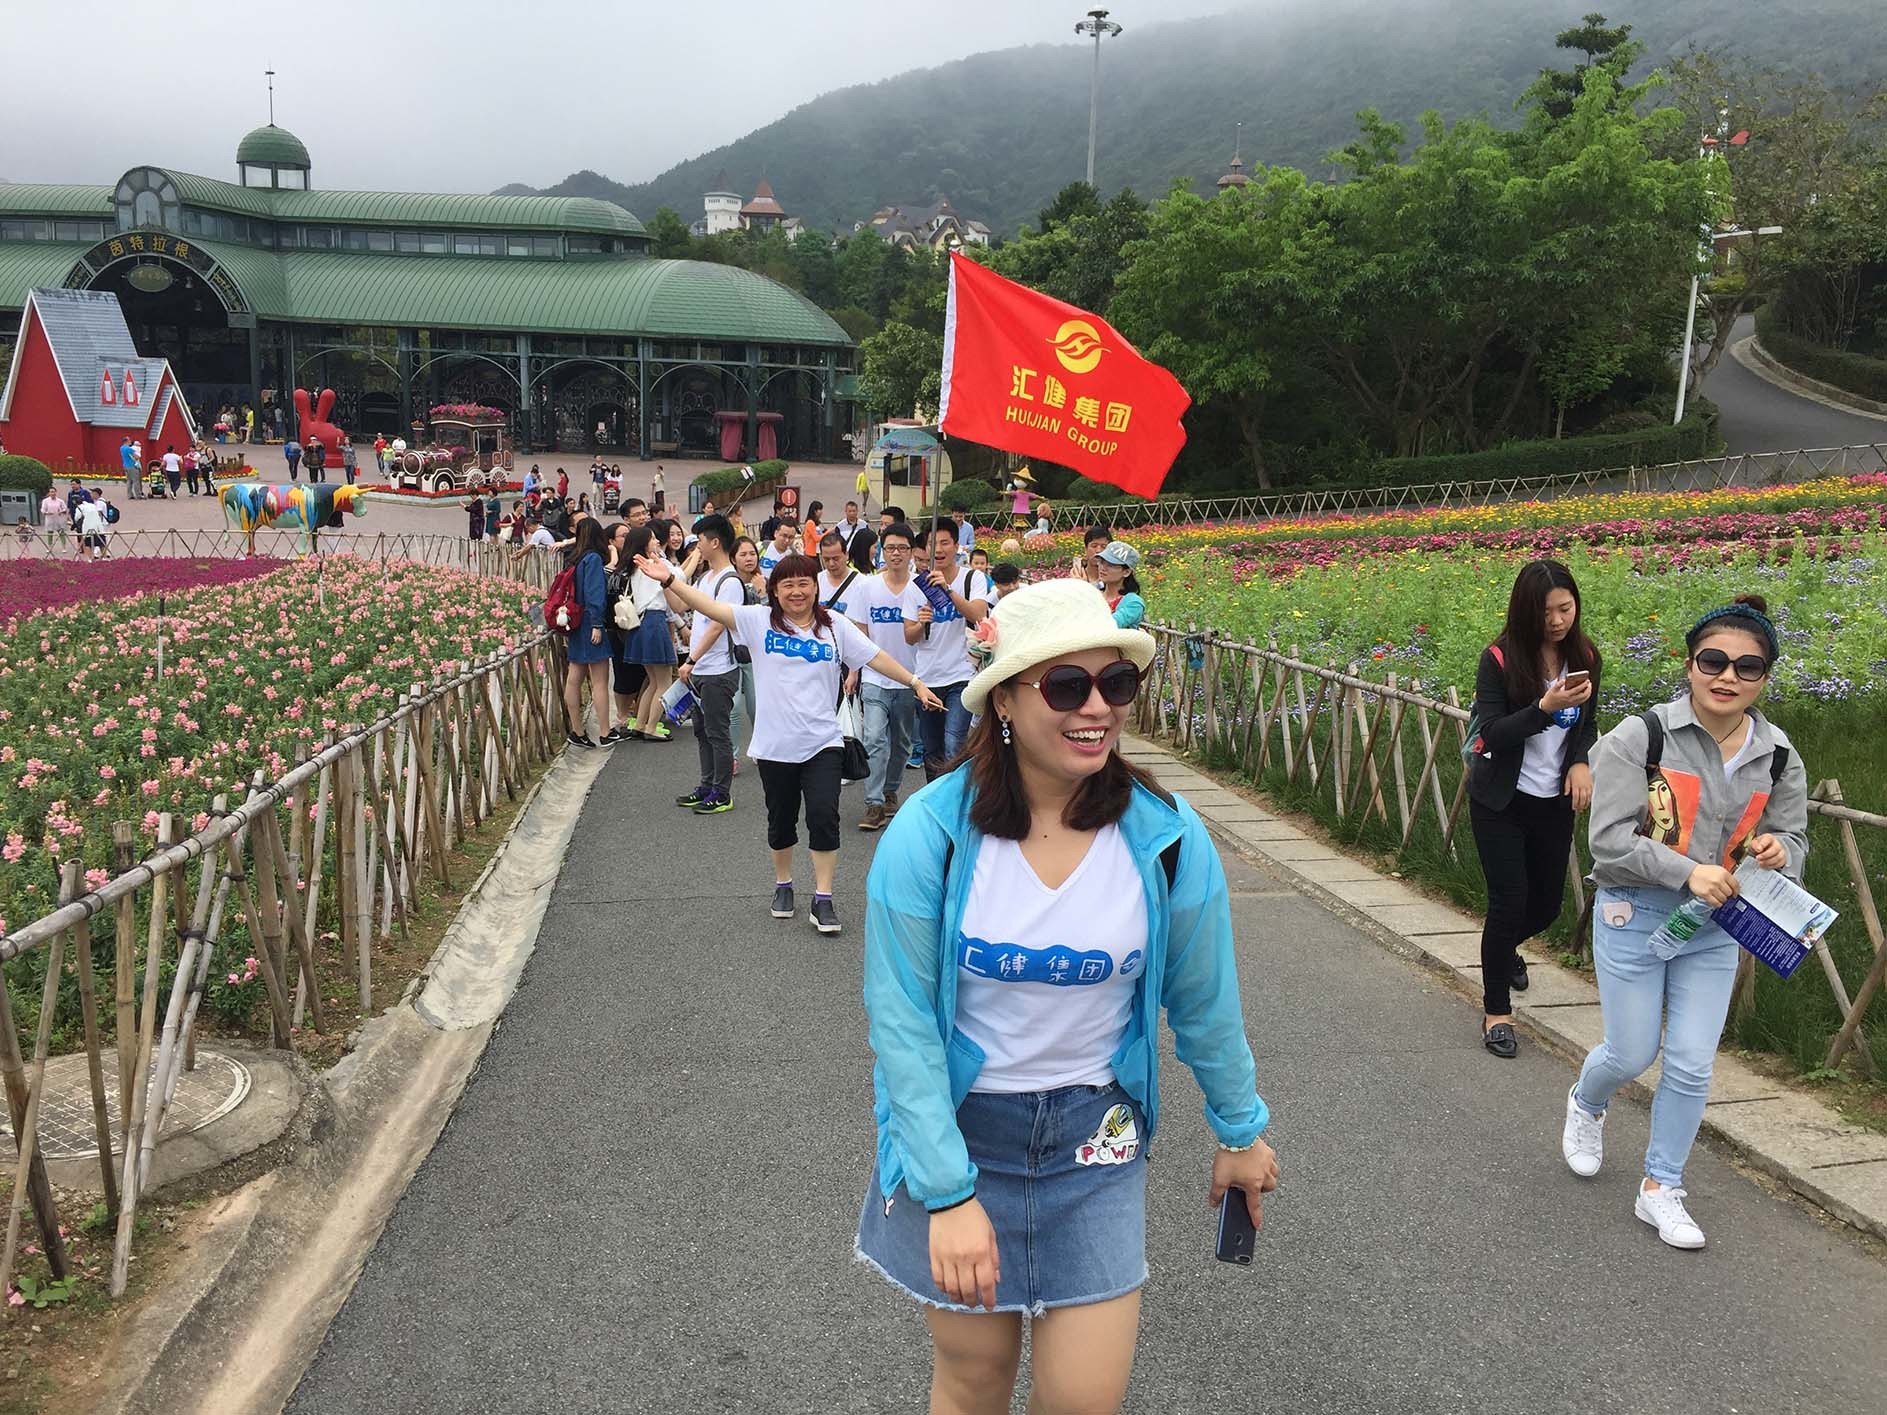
141	1082
38	1188
88	1011
125	957
27	1136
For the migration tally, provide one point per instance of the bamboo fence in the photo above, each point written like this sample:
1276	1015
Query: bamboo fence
338	848
426	547
1385	758
1696	474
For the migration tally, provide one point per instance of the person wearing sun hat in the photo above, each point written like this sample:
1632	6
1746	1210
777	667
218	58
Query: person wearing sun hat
1014	976
1116	565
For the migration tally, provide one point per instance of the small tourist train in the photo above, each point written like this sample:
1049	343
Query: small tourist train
469	450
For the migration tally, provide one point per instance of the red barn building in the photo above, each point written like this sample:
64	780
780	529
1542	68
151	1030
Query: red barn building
77	386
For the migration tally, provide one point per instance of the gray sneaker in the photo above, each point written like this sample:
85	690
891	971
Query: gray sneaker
824	917
783	901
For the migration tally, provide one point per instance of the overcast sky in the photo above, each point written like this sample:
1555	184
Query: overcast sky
465	95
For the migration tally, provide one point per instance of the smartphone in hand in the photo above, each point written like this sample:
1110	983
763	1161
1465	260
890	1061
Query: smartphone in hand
1576	677
1236	1234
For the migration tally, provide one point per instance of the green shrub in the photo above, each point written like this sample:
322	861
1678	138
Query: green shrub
728	480
1855	373
25	474
968	495
1650	446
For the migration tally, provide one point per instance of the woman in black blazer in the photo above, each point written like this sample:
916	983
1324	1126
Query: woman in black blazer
1535	702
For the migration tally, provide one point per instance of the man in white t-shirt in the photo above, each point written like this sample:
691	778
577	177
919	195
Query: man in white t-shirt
785	541
838	580
848	525
883	606
943	657
712	671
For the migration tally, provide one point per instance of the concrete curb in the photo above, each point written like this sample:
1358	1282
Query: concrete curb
1751	355
1793	1137
276	1259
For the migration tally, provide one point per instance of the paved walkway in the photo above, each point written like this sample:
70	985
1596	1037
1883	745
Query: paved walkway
646	1198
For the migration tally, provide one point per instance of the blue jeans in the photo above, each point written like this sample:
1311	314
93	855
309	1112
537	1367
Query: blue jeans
1690	995
890	715
943	732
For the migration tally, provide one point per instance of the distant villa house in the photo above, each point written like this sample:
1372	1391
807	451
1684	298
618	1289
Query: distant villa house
938	227
723	210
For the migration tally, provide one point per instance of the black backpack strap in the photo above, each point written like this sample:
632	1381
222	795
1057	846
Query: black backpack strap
1778	763
1654	741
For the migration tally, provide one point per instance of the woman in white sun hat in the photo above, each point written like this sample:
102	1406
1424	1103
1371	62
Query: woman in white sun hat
1014	976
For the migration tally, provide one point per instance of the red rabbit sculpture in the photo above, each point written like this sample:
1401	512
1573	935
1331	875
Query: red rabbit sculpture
315	423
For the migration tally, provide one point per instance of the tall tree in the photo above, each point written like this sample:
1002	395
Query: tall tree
1075	200
900	371
669	237
1802	147
1608	48
1207	294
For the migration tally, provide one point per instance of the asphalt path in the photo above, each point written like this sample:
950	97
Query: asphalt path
1758	416
646	1198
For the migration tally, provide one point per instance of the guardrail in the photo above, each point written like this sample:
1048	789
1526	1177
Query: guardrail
1386	758
1698	474
339	844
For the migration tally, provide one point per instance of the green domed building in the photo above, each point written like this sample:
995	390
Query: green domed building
547	307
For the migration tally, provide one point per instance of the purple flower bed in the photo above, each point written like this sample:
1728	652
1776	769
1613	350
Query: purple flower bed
30	586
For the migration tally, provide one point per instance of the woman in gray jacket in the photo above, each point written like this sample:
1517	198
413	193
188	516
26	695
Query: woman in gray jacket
1681	794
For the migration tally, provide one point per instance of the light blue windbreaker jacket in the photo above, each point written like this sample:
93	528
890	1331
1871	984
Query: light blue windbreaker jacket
916	893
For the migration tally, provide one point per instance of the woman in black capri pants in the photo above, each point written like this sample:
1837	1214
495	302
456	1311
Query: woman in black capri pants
1535	700
801	655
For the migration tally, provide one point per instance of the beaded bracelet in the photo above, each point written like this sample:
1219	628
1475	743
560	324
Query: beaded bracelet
1237	1149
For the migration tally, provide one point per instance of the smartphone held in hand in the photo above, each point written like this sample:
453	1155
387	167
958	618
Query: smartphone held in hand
1236	1233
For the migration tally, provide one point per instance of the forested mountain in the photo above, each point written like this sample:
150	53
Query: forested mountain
1000	133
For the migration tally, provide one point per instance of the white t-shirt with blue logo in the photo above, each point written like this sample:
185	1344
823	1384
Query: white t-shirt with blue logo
882	612
796	683
943	655
1046	977
1541	773
836	594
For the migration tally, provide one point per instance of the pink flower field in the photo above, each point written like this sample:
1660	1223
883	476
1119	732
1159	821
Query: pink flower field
28	586
255	674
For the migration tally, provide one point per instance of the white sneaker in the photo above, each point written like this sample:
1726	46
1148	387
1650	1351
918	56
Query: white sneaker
1582	1142
1664	1210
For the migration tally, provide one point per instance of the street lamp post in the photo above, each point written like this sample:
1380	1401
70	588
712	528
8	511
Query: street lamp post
1096	24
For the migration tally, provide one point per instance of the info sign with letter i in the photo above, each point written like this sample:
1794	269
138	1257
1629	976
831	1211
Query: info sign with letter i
1025	373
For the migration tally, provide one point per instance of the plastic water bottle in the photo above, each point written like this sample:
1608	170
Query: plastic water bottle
1669	938
677	702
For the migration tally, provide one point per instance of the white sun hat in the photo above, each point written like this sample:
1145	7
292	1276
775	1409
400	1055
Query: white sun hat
1044	621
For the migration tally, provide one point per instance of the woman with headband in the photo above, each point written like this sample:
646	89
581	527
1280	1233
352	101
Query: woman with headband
1681	794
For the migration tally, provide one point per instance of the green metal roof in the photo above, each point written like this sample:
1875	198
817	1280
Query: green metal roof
659	298
50	199
271	144
682	298
579	215
33	265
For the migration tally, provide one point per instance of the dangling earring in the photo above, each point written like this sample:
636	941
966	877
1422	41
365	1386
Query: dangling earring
1007	740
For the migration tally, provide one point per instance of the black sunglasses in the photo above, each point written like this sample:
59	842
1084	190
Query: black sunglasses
1066	687
1750	668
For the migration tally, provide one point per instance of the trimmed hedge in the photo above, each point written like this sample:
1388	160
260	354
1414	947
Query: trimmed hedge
728	481
969	494
19	473
1853	373
1696	436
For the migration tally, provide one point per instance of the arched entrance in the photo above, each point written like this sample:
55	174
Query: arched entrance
574	400
798	395
682	405
181	306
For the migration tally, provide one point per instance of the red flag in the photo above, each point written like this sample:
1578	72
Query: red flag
1028	374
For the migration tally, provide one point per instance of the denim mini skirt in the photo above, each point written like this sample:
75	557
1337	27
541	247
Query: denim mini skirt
1063	1177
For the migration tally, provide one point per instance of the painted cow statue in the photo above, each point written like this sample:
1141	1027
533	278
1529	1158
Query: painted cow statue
251	506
